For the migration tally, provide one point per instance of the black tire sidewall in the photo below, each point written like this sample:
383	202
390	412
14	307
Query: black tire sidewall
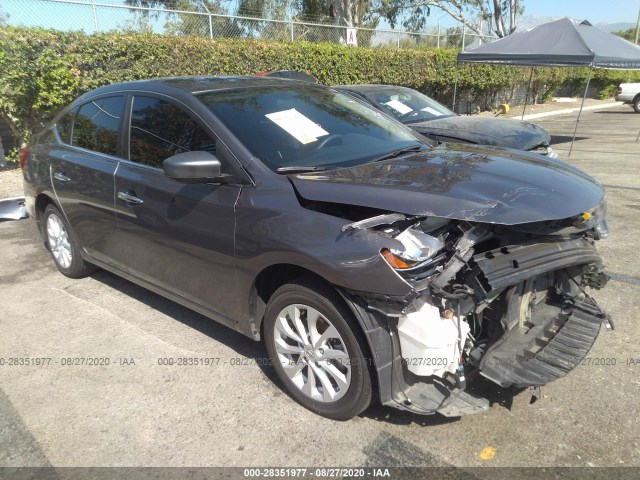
636	105
358	395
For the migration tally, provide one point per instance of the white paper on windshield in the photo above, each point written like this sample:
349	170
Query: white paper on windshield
297	125
399	107
432	111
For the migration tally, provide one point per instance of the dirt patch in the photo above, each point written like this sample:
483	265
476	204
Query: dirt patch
11	183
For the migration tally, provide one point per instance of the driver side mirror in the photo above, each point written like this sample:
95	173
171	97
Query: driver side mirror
194	167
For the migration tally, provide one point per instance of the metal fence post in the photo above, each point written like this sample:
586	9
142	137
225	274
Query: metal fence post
464	32
398	40
438	34
291	28
95	17
210	20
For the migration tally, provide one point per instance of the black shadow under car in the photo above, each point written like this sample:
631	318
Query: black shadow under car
371	263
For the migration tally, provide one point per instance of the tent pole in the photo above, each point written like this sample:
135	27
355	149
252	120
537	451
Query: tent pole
455	89
580	112
526	97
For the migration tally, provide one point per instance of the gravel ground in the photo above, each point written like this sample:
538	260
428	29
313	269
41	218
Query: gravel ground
11	183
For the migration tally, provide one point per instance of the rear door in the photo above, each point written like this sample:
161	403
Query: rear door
176	236
82	169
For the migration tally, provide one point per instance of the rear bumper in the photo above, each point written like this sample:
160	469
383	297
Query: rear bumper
625	97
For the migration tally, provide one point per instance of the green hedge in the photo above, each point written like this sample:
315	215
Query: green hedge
43	70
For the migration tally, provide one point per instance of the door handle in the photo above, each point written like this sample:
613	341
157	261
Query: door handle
129	198
61	177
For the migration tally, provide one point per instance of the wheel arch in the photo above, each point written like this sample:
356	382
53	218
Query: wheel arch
377	341
267	282
274	276
42	201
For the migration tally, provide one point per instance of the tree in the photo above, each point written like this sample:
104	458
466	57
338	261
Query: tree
627	34
191	23
3	21
479	16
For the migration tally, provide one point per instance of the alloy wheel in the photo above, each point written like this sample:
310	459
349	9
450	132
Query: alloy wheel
58	239
312	353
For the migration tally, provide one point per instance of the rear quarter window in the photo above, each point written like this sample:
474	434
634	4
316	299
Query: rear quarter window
97	124
65	125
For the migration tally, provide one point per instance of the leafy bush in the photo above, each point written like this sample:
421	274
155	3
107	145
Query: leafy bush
43	70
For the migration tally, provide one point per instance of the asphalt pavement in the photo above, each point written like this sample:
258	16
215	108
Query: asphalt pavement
137	411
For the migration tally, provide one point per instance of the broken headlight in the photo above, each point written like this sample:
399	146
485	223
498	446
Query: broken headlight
595	219
418	248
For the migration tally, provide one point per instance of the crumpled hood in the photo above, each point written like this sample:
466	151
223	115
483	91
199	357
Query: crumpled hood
502	132
469	182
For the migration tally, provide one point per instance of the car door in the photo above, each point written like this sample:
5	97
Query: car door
82	167
178	237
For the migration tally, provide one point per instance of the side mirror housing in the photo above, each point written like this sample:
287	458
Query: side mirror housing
193	167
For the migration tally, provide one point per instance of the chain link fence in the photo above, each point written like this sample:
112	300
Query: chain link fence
95	17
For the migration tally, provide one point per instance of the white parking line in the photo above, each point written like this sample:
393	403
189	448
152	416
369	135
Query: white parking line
570	110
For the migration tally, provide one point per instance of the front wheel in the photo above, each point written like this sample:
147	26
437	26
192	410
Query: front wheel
636	104
318	350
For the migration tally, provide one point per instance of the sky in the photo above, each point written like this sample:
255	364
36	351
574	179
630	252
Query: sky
56	15
596	11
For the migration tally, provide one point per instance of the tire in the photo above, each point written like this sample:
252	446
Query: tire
636	104
329	372
62	244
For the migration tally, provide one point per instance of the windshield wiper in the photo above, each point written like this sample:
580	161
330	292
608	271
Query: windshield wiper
301	169
395	153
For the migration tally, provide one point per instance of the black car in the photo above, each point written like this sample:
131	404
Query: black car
430	118
371	263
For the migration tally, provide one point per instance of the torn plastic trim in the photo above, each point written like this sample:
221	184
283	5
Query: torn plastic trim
553	347
376	221
510	265
463	252
13	208
399	388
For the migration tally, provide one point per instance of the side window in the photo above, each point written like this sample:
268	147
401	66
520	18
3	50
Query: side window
160	129
64	125
97	123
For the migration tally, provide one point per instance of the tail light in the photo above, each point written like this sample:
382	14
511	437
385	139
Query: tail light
22	156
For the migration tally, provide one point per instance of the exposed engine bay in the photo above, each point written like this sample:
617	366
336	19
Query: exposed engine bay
509	303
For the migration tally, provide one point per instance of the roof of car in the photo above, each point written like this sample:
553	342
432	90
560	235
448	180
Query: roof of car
199	84
369	87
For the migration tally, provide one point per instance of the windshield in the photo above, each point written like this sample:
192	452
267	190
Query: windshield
305	125
405	104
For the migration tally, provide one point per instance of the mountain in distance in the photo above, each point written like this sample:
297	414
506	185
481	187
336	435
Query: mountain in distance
615	27
526	22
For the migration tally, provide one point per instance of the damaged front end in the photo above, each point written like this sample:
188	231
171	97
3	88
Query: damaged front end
505	302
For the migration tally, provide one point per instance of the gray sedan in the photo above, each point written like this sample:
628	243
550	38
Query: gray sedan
371	263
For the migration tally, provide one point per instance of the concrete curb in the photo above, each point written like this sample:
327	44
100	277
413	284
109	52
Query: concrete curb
568	110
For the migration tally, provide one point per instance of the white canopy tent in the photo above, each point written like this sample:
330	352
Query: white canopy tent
561	43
